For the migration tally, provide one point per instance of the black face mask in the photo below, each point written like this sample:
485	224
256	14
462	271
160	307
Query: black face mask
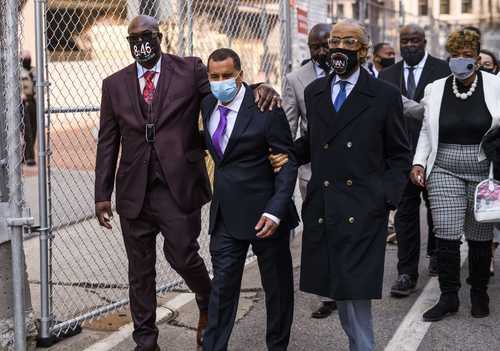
387	62
324	63
412	55
26	62
487	70
145	48
343	61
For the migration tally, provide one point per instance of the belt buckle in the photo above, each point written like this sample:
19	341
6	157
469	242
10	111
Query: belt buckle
150	133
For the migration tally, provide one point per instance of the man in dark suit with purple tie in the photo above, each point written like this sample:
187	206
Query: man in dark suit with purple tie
150	111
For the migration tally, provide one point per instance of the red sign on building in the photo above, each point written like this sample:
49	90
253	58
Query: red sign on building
302	21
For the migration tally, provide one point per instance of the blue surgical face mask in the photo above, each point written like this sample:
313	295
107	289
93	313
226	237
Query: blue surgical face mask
225	90
462	67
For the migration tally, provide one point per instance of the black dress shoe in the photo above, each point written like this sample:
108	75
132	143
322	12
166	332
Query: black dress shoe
326	309
433	266
404	286
447	306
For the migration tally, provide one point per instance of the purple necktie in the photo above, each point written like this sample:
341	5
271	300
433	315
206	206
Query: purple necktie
221	129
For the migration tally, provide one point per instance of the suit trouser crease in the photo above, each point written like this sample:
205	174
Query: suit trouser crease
228	259
407	226
180	232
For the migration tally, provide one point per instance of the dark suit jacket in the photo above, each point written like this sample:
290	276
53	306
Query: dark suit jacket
183	84
360	158
434	69
245	185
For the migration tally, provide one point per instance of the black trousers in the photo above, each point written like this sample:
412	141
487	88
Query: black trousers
275	265
180	231
29	112
407	225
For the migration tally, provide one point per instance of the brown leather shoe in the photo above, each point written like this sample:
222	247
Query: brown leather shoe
202	325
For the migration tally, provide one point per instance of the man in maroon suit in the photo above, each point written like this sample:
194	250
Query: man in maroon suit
151	110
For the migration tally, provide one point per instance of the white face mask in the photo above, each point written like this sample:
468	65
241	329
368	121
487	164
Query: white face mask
462	67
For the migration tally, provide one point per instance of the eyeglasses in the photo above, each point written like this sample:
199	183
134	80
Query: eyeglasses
347	42
143	36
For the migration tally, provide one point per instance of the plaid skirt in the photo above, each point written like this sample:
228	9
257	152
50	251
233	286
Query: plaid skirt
451	186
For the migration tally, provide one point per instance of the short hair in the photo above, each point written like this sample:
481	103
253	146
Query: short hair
461	39
223	54
474	29
365	36
379	46
490	54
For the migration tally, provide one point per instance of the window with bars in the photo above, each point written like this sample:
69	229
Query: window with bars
444	7
340	10
423	7
466	6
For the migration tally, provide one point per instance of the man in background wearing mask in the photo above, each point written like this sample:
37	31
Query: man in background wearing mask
411	76
295	109
150	111
360	157
383	56
251	205
29	108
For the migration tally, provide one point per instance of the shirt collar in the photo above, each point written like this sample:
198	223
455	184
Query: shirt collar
320	72
141	69
421	64
352	79
237	101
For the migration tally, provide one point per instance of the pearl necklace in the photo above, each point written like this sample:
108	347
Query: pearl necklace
466	95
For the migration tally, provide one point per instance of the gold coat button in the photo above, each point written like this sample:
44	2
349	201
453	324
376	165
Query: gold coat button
326	183
348	182
321	220
351	220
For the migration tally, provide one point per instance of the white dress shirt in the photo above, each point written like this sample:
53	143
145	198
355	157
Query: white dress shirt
417	72
352	80
213	123
320	72
140	74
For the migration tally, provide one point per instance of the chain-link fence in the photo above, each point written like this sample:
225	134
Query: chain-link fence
79	43
84	42
17	326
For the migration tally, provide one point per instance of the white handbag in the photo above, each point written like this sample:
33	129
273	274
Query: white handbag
487	200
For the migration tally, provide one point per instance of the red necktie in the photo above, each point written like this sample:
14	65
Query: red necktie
149	89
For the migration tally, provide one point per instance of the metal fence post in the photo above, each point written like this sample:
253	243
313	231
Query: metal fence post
45	318
286	40
14	151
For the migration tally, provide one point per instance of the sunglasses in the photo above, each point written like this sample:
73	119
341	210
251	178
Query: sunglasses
143	36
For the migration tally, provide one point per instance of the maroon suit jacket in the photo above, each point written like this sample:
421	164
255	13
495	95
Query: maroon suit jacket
178	144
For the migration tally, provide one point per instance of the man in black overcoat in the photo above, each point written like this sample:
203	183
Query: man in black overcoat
360	157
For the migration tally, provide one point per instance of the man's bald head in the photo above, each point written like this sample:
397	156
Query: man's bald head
319	31
144	38
143	23
318	44
412	28
412	43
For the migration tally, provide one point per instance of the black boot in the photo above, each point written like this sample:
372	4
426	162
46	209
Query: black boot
479	271
448	260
